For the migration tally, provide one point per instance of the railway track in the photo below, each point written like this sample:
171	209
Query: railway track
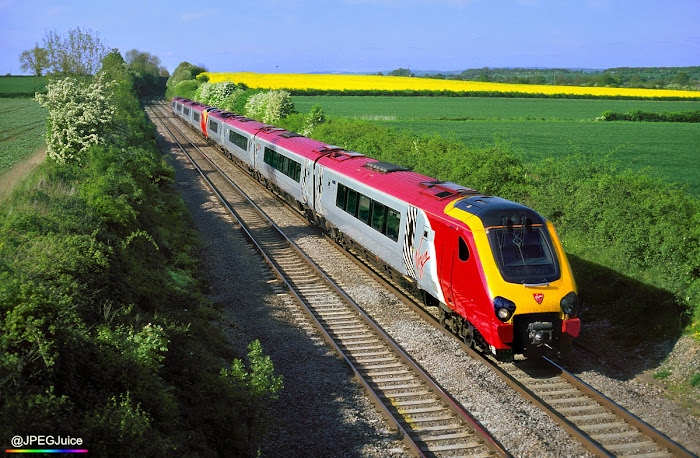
430	422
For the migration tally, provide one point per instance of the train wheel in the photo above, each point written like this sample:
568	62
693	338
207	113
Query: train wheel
468	334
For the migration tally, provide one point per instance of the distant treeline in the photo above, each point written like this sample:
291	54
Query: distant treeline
636	77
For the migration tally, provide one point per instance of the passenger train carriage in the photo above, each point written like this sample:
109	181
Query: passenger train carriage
495	269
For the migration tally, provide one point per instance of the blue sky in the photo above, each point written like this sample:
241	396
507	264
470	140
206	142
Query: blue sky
300	36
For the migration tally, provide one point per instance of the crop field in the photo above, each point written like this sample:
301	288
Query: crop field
398	83
540	128
22	130
22	84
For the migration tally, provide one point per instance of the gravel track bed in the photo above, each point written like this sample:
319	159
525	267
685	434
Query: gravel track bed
322	411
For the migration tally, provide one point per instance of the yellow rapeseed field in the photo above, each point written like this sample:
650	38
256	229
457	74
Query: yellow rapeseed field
399	83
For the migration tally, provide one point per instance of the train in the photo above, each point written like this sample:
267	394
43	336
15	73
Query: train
495	269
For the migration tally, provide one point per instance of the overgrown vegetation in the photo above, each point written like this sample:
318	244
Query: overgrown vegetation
105	329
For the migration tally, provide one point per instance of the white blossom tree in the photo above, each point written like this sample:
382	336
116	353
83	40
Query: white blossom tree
81	114
270	106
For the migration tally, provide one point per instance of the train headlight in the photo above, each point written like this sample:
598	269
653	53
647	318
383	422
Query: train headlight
569	304
504	308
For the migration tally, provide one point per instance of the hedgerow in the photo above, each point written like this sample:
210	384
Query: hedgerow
650	116
105	329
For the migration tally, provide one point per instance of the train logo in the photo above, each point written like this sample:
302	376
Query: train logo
539	297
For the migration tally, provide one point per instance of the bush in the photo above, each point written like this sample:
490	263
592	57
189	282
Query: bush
269	107
650	116
81	114
186	89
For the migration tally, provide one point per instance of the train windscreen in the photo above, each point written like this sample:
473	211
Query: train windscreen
524	254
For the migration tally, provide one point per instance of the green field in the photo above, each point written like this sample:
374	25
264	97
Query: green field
22	130
539	128
26	85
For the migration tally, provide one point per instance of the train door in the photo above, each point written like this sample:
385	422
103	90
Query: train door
318	189
307	183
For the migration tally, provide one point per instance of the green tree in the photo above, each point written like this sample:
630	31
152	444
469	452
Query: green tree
401	72
34	60
682	79
79	53
147	71
184	71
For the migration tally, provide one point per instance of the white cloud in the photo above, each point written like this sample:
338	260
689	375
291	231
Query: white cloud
189	17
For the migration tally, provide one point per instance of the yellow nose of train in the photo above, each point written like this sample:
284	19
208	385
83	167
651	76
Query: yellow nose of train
529	302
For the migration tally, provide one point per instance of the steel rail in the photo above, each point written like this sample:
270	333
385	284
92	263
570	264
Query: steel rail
648	430
452	405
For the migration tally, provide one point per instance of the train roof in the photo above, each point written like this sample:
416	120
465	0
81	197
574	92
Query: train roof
192	104
418	190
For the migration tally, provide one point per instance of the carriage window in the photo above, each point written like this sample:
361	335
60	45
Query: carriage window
186	111
280	162
363	213
375	214
195	115
378	216
392	224
238	140
213	126
340	198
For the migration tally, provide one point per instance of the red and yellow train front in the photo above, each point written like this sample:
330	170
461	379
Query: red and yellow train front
524	299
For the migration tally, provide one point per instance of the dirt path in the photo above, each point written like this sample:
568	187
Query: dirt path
9	179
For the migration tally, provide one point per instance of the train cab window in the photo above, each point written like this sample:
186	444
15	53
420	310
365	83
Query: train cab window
463	249
352	202
213	126
524	254
195	115
363	212
378	216
393	222
174	104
